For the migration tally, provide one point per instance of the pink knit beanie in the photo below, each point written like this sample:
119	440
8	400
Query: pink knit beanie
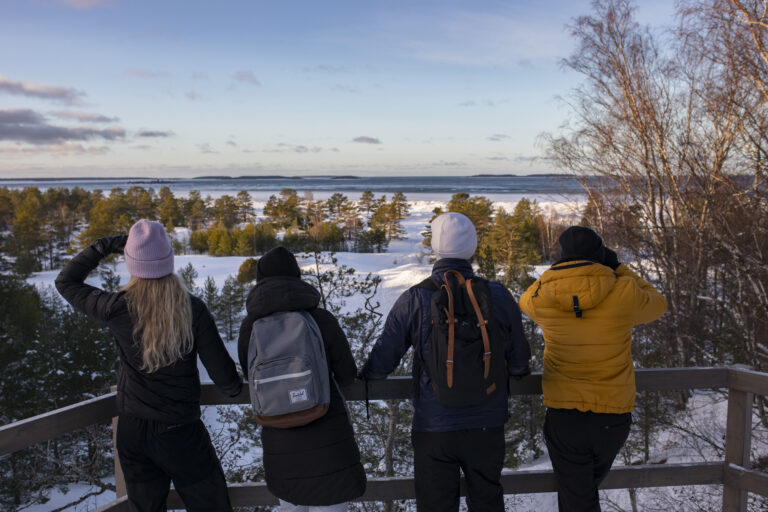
148	253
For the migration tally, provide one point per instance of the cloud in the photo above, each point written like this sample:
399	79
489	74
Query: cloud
483	103
154	134
532	158
232	143
52	149
329	69
146	74
498	158
282	147
297	148
199	75
498	137
24	125
67	95
443	163
83	5
345	88
84	117
366	140
206	148
192	96
526	63
247	77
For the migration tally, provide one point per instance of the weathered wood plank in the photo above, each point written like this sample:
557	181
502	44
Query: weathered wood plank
738	439
748	380
648	379
665	379
748	479
40	428
119	505
664	475
20	434
514	482
240	495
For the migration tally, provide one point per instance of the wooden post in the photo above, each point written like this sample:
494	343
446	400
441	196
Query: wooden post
120	489
738	440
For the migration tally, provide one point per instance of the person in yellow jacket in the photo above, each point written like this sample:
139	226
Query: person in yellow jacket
586	305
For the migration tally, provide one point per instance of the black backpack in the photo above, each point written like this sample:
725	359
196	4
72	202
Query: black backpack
466	361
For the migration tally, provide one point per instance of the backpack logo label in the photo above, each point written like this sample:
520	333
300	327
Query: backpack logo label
298	395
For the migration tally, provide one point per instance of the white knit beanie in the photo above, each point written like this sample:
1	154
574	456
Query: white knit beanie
453	236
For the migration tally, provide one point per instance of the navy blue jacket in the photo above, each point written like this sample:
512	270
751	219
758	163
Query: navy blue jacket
409	324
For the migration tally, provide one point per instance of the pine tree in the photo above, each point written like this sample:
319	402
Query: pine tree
284	211
335	204
230	307
168	210
366	202
226	211
244	203
188	274
224	246
210	295
26	232
246	274
195	210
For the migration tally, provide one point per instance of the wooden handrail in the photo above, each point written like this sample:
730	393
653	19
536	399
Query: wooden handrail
49	425
40	428
734	472
514	482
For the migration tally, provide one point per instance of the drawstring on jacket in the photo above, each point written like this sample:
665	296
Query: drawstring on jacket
576	308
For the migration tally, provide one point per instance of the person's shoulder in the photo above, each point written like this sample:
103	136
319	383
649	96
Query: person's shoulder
322	314
497	288
198	304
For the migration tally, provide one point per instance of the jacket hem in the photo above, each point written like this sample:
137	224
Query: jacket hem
586	407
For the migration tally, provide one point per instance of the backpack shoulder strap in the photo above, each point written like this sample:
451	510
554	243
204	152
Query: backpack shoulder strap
481	323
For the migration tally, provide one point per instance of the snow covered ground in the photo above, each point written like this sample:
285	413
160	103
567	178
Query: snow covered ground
406	263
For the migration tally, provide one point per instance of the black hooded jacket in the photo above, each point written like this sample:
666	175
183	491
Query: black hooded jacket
319	463
172	393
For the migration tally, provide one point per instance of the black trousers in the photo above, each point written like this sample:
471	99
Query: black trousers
438	456
154	454
582	446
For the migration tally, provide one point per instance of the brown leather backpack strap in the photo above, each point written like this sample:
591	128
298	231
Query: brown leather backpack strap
451	321
456	274
481	323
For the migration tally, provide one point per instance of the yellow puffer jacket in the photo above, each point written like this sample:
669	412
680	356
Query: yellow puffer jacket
587	359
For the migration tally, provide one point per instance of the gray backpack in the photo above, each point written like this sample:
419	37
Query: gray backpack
287	370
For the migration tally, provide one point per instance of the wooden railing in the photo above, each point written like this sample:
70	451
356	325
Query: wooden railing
733	473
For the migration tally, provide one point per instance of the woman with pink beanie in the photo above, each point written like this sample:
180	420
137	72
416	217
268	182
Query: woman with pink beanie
160	329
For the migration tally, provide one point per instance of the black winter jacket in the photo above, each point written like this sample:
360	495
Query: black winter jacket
409	324
172	393
319	463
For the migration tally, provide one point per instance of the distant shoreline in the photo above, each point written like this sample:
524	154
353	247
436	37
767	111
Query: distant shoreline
281	177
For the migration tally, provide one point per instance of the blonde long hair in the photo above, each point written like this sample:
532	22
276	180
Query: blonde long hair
162	319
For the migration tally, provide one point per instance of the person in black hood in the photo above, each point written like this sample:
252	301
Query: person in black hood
317	464
160	329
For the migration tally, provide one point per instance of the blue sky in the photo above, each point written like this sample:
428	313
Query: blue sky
187	88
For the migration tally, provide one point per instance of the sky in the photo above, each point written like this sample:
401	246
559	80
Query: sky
245	87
